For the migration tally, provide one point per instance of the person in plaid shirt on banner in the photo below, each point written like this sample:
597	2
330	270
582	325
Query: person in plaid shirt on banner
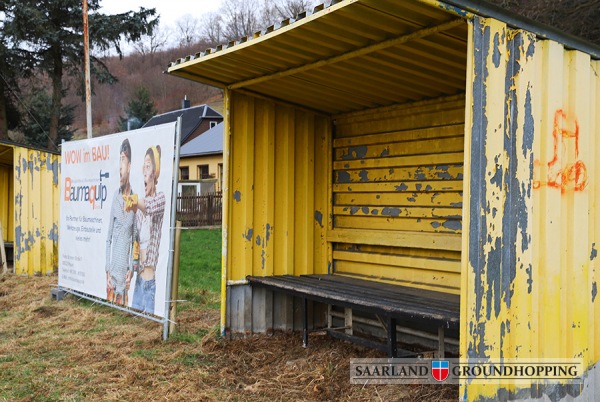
121	232
149	219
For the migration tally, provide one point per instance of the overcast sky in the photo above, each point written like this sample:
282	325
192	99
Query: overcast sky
169	10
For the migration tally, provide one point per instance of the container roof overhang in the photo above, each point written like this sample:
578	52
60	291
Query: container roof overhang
6	155
352	55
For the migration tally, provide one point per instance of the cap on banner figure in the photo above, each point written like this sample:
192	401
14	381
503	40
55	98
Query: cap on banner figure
149	219
121	233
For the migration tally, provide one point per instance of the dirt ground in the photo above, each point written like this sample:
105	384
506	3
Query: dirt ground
75	350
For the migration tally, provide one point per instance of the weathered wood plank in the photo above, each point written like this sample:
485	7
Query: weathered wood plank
446	199
389	150
405	135
402	224
439	241
368	296
422	172
399	161
401	186
262	310
450	255
399	261
404	212
389	298
283	311
409	120
441	281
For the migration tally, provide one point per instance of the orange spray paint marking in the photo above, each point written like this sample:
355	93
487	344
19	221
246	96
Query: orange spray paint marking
562	173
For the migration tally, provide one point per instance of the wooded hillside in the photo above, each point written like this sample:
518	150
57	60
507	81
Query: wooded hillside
133	72
143	65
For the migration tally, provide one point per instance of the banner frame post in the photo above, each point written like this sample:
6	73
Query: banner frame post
172	230
175	280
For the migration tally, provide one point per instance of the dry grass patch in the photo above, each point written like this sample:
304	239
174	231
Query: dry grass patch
74	350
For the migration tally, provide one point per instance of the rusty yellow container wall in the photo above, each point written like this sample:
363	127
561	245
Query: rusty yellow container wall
7	196
397	171
278	186
530	288
36	211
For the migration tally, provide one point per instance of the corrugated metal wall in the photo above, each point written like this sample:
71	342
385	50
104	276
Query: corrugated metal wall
36	211
7	199
398	173
530	287
278	184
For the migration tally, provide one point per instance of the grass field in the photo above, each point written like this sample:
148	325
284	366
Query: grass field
76	350
200	268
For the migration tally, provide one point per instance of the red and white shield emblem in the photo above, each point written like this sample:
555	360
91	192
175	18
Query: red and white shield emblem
440	369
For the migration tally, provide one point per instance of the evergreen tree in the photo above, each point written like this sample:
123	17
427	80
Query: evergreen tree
36	123
139	110
15	63
52	31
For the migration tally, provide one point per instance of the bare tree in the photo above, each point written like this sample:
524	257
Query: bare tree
212	28
240	18
291	8
187	29
275	11
150	44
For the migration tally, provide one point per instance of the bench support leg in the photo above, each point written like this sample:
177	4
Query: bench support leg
3	262
348	321
441	346
305	323
392	346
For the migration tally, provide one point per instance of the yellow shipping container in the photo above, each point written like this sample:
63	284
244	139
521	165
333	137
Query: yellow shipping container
29	207
439	145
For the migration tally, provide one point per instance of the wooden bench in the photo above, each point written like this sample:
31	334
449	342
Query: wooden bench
389	302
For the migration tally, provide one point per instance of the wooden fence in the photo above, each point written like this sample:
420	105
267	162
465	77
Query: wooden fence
200	210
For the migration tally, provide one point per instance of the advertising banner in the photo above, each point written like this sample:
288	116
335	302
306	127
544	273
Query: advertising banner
115	211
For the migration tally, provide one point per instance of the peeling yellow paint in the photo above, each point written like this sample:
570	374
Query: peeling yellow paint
30	208
531	293
278	176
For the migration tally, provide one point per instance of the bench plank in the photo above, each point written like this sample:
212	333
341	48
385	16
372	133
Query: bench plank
376	297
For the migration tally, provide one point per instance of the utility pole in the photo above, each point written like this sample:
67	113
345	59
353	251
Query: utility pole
86	57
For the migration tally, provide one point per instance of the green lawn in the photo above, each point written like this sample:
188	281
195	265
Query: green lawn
200	268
